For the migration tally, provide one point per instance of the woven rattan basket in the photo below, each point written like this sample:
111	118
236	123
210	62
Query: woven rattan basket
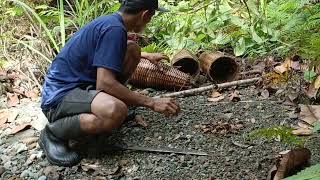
149	75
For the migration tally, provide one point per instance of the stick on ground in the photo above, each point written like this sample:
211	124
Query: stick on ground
207	88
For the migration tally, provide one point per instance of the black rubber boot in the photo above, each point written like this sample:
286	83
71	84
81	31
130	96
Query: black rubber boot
56	150
54	141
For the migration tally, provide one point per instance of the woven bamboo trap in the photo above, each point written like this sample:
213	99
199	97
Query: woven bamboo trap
149	75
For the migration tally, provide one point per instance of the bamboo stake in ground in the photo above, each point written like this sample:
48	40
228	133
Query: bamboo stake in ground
207	88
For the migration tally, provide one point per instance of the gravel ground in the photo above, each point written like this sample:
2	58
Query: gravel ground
220	129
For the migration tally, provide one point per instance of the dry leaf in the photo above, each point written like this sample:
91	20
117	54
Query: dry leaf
90	167
316	83
287	65
12	100
290	162
304	125
140	120
280	69
12	116
216	99
4	114
293	96
234	96
32	95
215	94
19	128
310	113
314	88
302	132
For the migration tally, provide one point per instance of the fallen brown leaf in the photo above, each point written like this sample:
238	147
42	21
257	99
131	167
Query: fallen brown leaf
304	125
312	91
302	132
287	65
12	100
221	128
19	128
140	120
32	95
4	114
310	113
216	99
90	167
234	96
289	162
215	94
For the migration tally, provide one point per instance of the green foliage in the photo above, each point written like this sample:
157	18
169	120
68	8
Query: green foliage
153	48
253	28
279	133
316	127
84	11
310	75
311	173
57	22
249	28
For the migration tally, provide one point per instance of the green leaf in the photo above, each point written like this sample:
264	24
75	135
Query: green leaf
240	47
316	127
200	37
255	36
310	173
253	7
222	39
310	75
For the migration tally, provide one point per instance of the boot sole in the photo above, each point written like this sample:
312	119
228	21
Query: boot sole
53	161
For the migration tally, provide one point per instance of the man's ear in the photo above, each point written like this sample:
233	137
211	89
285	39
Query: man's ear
147	14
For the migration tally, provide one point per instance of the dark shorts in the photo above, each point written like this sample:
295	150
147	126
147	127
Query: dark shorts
76	102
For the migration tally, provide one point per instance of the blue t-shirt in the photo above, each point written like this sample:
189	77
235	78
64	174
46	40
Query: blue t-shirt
101	43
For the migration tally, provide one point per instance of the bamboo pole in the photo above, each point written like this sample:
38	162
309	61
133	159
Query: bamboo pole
207	88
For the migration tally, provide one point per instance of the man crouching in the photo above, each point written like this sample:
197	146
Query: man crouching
84	91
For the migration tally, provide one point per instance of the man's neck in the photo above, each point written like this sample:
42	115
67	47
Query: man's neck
128	20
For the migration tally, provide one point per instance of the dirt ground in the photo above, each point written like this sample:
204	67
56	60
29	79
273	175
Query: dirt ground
231	154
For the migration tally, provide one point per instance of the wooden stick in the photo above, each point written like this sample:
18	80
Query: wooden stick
250	72
207	88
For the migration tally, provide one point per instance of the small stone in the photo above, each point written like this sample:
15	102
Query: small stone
25	173
160	138
2	170
147	139
123	162
42	178
44	163
7	165
20	148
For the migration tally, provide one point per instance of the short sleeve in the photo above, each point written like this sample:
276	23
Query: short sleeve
111	49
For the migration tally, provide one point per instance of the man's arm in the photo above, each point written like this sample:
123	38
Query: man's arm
106	80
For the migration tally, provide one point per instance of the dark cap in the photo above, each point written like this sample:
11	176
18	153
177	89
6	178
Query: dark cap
143	5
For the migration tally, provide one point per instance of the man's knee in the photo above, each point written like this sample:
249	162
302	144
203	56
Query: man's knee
113	117
118	110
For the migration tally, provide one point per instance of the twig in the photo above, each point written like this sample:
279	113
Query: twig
251	72
207	88
35	79
250	101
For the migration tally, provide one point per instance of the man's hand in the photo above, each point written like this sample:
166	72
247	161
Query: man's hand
167	106
155	58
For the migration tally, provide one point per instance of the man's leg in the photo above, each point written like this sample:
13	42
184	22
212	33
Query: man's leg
84	113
